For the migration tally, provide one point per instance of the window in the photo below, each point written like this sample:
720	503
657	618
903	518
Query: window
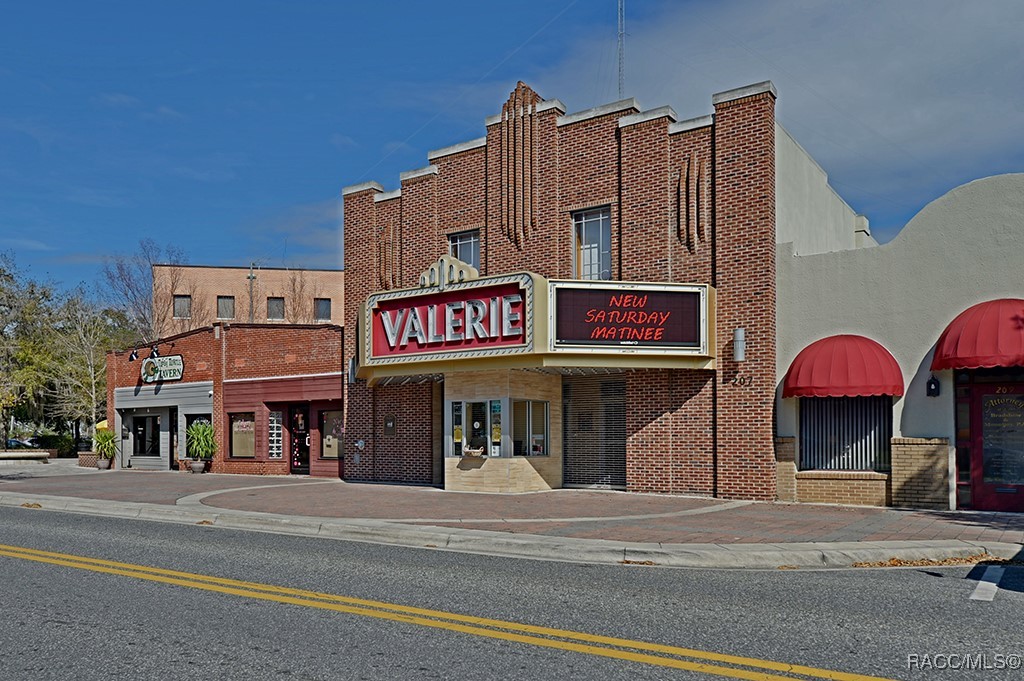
322	309
182	307
275	438
225	307
466	247
593	239
845	433
529	428
275	309
243	435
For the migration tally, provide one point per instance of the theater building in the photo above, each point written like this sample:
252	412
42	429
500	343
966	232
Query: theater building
616	298
273	393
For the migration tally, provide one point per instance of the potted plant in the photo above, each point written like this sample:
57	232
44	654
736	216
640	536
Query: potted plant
200	444
104	443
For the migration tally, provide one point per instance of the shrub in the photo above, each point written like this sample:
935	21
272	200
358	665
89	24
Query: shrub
104	443
199	440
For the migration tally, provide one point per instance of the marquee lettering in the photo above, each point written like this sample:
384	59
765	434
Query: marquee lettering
451	320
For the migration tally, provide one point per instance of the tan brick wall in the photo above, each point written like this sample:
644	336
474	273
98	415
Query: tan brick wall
516	474
785	468
298	288
859	488
920	472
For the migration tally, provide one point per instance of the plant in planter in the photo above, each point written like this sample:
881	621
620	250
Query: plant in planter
200	444
104	443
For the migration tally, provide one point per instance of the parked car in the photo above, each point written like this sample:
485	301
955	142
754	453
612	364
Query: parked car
27	443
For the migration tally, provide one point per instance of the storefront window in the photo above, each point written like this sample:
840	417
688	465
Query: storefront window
243	435
457	428
331	429
275	435
529	428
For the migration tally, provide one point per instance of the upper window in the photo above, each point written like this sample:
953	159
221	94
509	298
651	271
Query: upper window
322	309
225	307
275	308
182	307
593	240
466	247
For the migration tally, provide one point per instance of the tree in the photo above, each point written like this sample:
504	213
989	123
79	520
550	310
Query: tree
26	318
302	290
83	333
148	302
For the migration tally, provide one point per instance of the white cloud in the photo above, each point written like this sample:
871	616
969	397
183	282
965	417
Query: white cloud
898	101
24	244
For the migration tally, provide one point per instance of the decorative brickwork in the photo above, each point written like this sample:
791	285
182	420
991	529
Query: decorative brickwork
920	472
691	206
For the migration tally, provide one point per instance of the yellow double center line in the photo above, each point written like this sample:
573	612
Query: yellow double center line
604	646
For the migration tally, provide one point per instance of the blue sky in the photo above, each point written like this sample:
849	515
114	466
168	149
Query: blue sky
228	129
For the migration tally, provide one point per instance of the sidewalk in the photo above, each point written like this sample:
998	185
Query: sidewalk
577	525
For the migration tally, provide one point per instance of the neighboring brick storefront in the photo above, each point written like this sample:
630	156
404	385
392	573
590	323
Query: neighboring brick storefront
272	383
689	202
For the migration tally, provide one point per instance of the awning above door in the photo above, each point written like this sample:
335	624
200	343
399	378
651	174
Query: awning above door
843	366
989	334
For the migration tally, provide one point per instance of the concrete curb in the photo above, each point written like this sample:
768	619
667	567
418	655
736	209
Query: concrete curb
567	549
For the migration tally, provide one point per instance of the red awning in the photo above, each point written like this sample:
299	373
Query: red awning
989	334
843	366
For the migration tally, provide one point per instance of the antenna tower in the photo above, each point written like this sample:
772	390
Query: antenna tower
622	48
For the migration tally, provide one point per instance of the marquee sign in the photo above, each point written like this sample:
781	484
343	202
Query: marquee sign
474	318
609	317
170	368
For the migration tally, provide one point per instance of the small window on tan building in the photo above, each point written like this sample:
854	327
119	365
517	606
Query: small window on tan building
322	309
182	307
225	307
275	309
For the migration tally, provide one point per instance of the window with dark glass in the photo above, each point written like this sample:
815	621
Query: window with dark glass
592	256
225	307
182	307
466	247
275	309
322	309
529	428
243	435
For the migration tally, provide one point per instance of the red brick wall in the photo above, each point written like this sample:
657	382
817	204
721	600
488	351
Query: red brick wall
666	226
745	280
243	351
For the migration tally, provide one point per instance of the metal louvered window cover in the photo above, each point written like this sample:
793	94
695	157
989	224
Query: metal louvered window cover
594	432
846	433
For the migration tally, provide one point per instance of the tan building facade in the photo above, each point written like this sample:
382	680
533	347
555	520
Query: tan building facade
187	297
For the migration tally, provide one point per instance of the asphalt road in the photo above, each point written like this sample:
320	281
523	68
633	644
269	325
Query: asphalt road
60	618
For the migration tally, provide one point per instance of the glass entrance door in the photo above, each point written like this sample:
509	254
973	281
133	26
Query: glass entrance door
299	439
997	454
146	436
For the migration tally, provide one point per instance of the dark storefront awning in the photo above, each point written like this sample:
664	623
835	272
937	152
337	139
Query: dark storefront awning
843	366
989	334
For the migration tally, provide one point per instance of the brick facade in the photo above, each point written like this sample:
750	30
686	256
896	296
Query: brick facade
920	472
689	203
919	477
204	284
253	365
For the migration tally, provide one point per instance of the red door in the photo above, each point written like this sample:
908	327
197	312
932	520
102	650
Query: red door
997	454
